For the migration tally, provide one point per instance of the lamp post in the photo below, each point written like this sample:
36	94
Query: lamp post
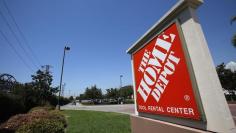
62	67
120	99
121	80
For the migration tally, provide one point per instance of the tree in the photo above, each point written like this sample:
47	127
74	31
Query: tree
82	97
93	93
29	95
42	82
77	98
227	79
112	93
234	36
71	98
126	91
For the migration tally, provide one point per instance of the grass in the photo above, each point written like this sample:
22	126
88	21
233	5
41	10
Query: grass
80	121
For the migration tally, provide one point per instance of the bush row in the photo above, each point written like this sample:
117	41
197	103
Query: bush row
37	120
10	104
15	103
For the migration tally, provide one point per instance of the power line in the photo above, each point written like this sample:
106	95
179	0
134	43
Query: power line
14	49
20	31
18	40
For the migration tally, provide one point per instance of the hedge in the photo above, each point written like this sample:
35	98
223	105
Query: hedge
10	105
42	126
37	120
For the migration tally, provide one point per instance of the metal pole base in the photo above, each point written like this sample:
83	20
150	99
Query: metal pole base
58	107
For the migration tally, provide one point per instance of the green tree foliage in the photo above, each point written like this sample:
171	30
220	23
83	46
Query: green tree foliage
37	120
71	98
112	93
23	97
126	91
234	36
81	97
42	82
93	93
77	98
10	104
28	95
227	78
31	96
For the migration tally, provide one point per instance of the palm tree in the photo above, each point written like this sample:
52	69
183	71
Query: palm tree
234	36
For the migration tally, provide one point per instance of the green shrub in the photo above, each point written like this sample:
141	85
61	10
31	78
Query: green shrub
42	126
10	105
45	108
64	101
18	120
14	123
30	96
48	113
58	116
35	121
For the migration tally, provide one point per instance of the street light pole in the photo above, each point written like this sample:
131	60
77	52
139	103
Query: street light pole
62	68
120	99
121	80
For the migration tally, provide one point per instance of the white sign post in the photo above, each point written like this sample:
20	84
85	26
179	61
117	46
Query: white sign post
214	111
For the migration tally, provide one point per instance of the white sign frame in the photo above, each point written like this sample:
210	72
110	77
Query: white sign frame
216	115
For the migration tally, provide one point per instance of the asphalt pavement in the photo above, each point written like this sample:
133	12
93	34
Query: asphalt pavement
119	108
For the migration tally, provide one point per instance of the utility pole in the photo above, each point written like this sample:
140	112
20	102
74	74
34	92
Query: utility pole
119	99
46	68
121	80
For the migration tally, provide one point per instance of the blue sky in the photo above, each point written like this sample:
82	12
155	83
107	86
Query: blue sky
98	32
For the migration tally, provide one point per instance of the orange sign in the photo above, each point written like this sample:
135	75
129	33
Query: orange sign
163	84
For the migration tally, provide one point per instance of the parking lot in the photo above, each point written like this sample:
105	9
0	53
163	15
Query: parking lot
120	108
